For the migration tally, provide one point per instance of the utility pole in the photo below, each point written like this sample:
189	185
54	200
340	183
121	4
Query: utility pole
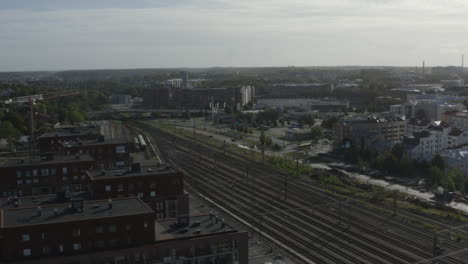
263	154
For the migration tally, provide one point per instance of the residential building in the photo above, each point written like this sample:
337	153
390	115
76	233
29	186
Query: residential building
456	159
52	142
458	119
205	239
417	125
162	187
176	83
107	153
73	228
46	174
355	129
304	103
457	138
425	144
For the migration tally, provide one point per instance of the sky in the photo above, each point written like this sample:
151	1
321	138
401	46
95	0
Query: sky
116	34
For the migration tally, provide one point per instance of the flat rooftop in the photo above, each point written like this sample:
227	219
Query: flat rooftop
39	200
199	225
26	161
127	173
72	132
59	213
78	143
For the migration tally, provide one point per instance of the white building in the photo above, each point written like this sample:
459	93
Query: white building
176	83
456	159
247	94
424	145
457	138
304	103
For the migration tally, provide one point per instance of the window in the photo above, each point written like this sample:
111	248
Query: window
53	171
120	149
19	174
140	195
108	188
25	237
19	182
76	232
28	173
75	178
77	246
64	178
61	248
35	172
64	171
112	228
99	229
27	252
100	244
44	235
153	194
36	180
46	251
113	243
120	187
44	172
145	224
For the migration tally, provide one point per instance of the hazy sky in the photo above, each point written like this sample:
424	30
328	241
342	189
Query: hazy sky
94	34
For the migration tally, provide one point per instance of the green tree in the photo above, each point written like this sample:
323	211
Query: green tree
438	161
398	151
8	131
316	132
227	109
262	138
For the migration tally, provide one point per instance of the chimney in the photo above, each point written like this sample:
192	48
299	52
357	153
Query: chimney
109	204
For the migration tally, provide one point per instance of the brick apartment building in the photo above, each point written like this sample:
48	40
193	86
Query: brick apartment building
76	227
43	175
107	153
51	142
161	187
42	230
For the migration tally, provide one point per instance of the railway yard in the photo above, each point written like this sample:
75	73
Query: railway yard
312	218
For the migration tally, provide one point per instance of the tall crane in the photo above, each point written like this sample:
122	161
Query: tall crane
31	100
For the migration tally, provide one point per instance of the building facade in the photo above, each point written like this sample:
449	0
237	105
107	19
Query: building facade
160	187
67	229
44	175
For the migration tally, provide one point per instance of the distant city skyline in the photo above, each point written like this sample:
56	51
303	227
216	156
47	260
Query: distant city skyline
118	34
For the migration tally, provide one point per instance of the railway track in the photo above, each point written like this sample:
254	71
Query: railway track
326	234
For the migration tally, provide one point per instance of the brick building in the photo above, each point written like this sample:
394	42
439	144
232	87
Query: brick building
68	229
204	241
107	153
51	142
161	187
42	175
